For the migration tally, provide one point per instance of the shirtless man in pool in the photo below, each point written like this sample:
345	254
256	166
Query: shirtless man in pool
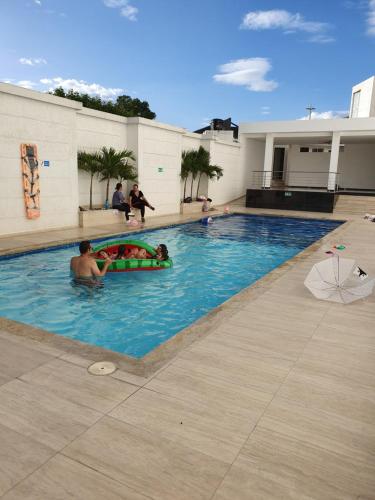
85	268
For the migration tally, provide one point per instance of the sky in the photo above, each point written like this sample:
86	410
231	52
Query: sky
194	60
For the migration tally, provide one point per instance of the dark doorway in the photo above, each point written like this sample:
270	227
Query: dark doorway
278	164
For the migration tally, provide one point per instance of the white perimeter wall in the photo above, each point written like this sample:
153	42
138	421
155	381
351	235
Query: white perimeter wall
95	130
231	186
159	165
50	123
60	128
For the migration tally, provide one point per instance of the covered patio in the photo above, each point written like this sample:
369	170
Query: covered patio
323	155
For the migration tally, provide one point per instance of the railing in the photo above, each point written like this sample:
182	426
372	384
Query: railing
295	179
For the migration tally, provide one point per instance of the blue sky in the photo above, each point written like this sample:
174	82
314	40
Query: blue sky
195	59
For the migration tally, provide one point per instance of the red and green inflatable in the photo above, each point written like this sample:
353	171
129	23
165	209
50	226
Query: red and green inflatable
126	265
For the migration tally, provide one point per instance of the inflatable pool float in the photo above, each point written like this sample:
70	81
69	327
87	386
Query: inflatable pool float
126	265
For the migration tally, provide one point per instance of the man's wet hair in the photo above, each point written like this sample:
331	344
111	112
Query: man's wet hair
84	247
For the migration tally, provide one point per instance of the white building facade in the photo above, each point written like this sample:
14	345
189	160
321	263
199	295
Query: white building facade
335	155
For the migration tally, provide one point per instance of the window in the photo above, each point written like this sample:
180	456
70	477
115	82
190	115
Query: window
304	150
355	104
318	150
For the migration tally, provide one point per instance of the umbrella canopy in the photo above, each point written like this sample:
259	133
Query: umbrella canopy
335	279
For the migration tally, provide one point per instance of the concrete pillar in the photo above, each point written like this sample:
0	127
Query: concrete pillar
268	162
334	161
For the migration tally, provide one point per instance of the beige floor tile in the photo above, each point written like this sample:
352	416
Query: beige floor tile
237	404
29	343
338	336
257	318
45	417
272	466
327	392
130	378
350	320
16	359
267	341
196	425
62	478
76	360
336	433
75	384
235	365
19	457
146	462
356	357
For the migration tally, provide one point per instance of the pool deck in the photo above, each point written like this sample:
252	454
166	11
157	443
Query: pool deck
275	401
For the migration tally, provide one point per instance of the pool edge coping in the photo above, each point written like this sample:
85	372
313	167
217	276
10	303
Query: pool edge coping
162	354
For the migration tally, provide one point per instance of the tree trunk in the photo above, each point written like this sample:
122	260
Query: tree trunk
107	192
92	176
199	181
185	189
191	187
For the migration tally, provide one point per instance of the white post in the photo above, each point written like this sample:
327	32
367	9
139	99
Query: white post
334	161
268	162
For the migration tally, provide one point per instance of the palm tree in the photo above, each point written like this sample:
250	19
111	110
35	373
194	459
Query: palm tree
115	165
211	171
89	162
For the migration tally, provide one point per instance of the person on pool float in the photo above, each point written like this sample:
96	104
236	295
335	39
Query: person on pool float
141	253
85	268
161	252
133	253
138	200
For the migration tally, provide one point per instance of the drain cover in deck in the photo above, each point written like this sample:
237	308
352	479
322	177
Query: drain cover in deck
102	368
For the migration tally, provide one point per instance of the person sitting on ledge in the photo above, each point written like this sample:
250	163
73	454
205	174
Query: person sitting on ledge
118	201
138	200
85	268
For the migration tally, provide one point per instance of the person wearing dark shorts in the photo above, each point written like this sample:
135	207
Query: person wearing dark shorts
138	200
118	201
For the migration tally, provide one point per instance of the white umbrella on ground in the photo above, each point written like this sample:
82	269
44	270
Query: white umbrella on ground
339	280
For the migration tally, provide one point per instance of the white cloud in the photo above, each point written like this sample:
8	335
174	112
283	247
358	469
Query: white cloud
272	19
249	73
286	21
326	115
126	9
38	2
34	61
82	86
321	39
130	12
27	84
265	110
371	18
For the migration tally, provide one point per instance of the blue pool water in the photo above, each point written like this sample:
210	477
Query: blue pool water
135	312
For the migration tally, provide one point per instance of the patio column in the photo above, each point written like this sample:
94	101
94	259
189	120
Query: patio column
334	161
268	162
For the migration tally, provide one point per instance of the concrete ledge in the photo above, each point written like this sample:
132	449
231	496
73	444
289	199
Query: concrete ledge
191	208
92	218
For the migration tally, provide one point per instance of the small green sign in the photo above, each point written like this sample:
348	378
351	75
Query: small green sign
160	169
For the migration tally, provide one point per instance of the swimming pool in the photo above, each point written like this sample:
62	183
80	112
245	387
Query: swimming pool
136	312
